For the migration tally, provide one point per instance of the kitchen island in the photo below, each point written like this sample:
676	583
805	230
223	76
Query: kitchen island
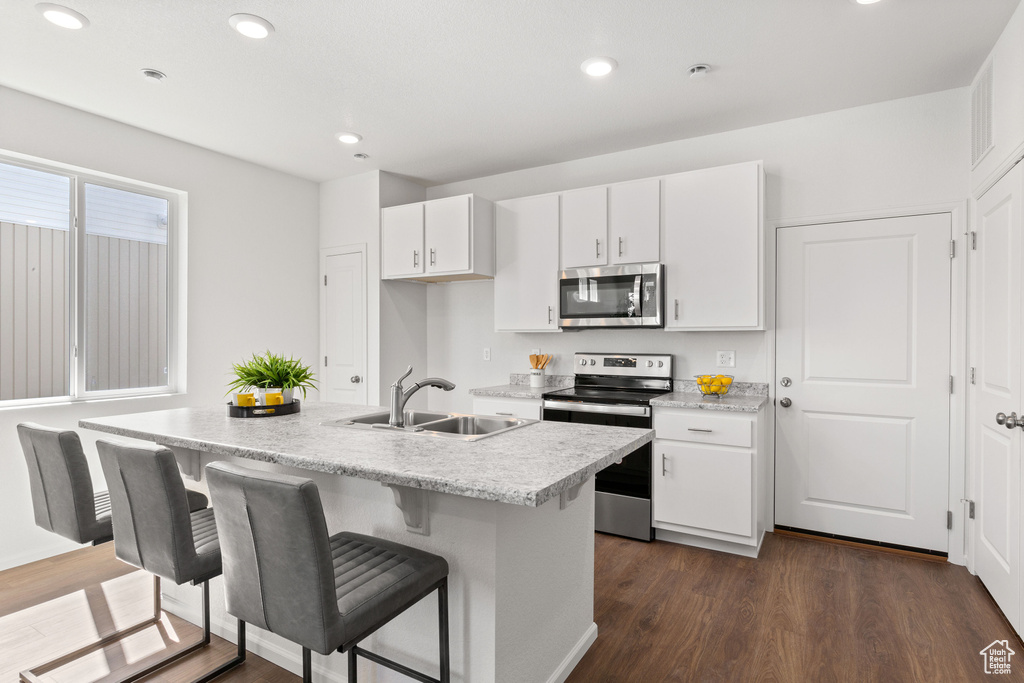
512	513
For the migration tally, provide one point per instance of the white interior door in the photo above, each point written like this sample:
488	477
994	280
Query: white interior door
863	334
343	325
996	358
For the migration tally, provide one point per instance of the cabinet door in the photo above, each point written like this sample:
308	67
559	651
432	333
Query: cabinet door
525	408
634	221
526	264
401	241
584	234
703	488
448	234
712	251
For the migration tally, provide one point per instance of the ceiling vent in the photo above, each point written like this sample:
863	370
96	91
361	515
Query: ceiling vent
981	115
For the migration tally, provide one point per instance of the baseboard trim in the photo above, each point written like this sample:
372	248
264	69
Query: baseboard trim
574	656
257	641
710	543
39	552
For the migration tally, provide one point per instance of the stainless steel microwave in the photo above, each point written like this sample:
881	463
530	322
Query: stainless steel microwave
612	296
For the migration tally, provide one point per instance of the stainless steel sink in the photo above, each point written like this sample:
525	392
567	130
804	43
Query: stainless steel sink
446	425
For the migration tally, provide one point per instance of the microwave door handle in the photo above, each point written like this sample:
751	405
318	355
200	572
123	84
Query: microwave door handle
636	295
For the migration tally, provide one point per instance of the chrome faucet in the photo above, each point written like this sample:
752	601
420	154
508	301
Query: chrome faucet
400	397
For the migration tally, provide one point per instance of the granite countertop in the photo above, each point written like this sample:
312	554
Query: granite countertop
694	399
519	387
525	466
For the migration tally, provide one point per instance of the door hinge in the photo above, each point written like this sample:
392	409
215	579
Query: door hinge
949	519
325	361
972	375
974	240
952	249
951	384
75	350
325	280
970	507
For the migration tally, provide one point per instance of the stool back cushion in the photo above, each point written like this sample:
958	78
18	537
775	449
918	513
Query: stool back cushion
150	510
62	494
278	572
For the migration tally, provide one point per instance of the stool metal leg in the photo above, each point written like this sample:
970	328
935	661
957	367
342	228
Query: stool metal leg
442	636
352	666
307	665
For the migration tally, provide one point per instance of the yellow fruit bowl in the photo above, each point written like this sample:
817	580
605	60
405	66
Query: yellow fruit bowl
714	385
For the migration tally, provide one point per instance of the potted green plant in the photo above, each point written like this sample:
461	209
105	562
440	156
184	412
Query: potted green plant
270	371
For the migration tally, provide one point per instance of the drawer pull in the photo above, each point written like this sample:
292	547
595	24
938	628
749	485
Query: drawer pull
498	413
694	429
663	456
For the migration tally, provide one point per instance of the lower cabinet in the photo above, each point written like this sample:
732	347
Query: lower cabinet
525	408
709	479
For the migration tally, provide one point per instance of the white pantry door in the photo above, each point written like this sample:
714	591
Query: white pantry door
343	321
996	358
863	334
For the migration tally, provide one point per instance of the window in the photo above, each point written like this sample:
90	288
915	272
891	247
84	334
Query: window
86	286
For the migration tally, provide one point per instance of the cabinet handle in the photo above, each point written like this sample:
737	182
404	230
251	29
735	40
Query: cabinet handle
549	315
597	247
415	258
677	309
695	429
620	246
663	470
498	413
433	261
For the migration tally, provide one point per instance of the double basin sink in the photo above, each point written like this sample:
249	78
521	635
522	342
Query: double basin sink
449	425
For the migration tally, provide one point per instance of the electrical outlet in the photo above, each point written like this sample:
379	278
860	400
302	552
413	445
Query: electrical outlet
535	352
726	359
487	353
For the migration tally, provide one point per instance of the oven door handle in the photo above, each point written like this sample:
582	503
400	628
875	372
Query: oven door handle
574	407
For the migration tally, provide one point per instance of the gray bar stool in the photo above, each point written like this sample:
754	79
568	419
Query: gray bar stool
65	503
286	574
155	530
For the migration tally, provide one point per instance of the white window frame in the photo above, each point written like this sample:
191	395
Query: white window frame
177	203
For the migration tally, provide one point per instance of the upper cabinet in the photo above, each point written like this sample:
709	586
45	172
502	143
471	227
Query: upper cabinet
713	243
526	274
613	224
439	240
634	221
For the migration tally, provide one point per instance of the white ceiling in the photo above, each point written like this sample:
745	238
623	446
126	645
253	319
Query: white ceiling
445	90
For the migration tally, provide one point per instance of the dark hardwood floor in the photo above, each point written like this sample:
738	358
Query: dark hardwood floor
804	611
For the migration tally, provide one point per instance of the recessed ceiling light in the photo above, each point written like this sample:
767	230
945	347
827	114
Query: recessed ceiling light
360	156
598	66
864	2
62	16
153	76
699	70
251	26
349	138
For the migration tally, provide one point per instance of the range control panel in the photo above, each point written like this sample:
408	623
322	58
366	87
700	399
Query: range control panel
624	365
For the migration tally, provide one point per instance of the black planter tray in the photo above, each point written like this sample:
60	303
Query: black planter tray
264	411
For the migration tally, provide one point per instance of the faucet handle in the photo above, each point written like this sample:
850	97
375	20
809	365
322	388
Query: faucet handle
398	382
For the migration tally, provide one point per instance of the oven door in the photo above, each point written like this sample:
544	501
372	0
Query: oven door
622	503
616	296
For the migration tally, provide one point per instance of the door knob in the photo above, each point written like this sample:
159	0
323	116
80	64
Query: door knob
1013	421
785	381
355	379
1000	418
785	402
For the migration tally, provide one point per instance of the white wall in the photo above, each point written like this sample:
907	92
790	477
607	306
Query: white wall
246	225
902	153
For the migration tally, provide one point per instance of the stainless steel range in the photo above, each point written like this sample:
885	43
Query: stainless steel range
616	389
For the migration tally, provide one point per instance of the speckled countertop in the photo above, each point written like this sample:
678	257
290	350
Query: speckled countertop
519	387
694	399
525	466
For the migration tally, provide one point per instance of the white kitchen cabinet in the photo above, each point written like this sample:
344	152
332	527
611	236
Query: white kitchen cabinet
441	240
401	241
525	408
713	248
634	221
526	264
710	479
584	230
